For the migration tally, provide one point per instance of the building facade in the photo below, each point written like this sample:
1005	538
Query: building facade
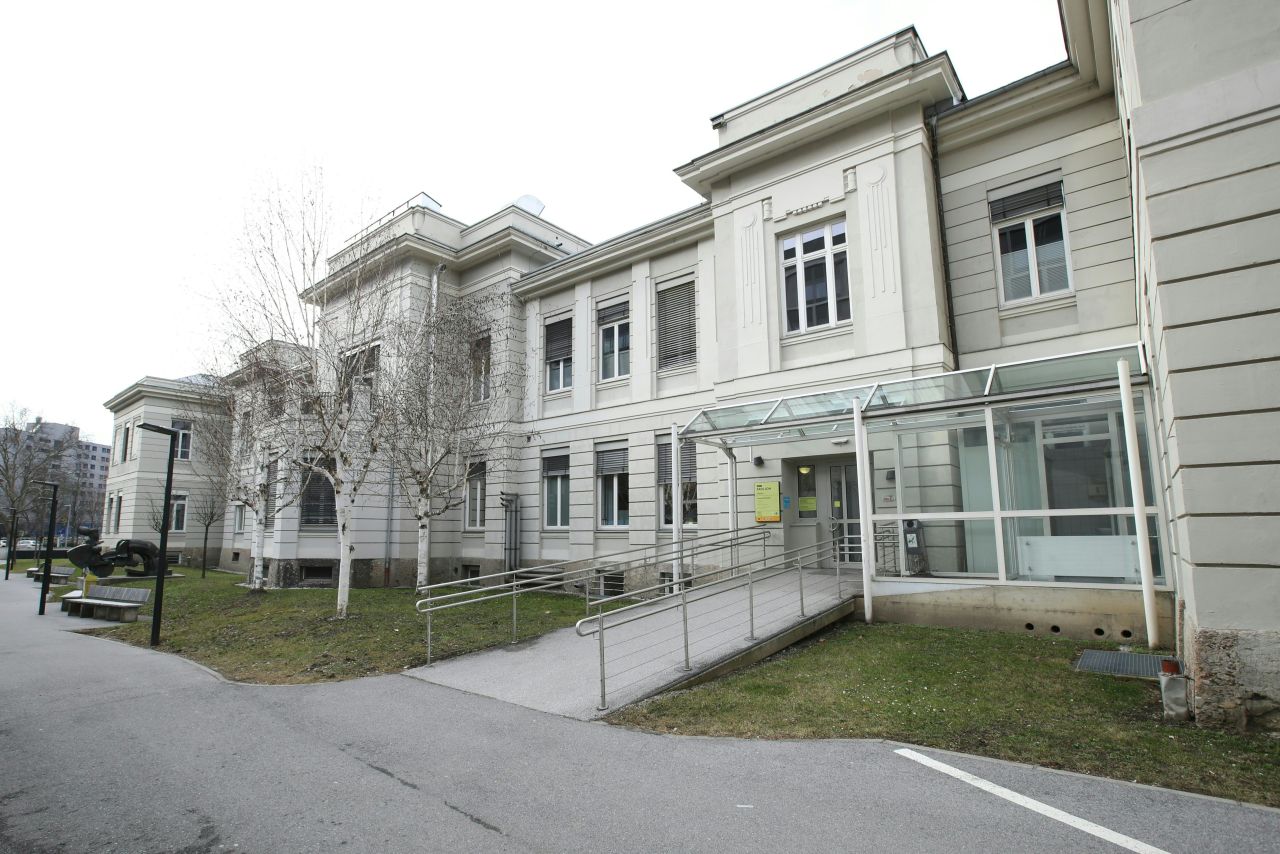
1016	352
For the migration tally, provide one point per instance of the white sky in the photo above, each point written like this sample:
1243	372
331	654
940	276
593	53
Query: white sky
134	136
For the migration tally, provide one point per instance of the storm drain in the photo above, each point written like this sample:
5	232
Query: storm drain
1133	664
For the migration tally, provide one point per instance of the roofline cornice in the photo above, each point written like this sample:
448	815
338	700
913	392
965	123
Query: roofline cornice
686	226
159	387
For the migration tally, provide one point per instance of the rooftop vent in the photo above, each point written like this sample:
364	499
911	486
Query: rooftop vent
531	204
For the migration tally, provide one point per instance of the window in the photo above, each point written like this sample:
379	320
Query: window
269	507
111	503
688	481
807	492
182	450
316	504
119	510
555	480
1033	245
614	487
359	369
615	341
475	495
124	443
178	514
559	347
239	519
677	326
815	276
481	368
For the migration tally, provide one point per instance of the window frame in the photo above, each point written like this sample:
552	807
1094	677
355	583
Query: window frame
621	482
481	368
175	501
686	357
615	328
1027	221
473	508
561	368
666	489
561	484
184	438
238	515
828	252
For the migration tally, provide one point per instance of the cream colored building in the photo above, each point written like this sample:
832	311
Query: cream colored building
945	324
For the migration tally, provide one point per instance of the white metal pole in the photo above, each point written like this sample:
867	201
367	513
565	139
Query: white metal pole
867	533
677	507
1139	504
733	508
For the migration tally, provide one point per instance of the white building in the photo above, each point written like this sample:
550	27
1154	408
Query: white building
962	272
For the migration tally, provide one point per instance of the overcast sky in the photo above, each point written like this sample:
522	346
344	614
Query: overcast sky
134	135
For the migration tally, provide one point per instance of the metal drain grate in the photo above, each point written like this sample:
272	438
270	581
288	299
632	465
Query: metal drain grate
1133	664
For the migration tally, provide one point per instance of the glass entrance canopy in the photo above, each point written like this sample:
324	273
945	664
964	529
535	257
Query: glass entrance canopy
829	414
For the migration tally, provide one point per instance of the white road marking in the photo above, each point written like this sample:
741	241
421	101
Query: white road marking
1032	804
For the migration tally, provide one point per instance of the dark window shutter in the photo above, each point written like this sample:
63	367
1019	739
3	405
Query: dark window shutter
316	502
1018	204
476	469
613	461
557	465
559	340
677	326
688	462
269	512
613	313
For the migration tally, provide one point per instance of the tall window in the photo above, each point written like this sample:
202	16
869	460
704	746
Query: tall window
688	481
269	507
614	487
182	450
239	519
1033	246
559	354
317	508
677	326
481	368
615	341
119	510
815	276
178	514
359	370
555	483
124	443
111	505
474	510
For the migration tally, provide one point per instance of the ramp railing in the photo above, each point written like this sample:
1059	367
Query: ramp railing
764	588
593	578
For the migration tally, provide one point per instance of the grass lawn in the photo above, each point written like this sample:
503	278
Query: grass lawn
292	636
996	694
21	565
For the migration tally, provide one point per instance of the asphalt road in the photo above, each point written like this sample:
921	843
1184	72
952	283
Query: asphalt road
106	747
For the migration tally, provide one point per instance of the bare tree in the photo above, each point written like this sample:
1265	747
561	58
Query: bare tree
27	457
206	508
314	339
452	393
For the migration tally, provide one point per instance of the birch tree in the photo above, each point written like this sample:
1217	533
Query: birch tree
451	397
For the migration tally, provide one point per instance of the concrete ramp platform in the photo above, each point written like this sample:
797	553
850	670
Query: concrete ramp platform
560	672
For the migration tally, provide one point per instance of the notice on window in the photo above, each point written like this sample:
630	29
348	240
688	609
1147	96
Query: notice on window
809	503
768	501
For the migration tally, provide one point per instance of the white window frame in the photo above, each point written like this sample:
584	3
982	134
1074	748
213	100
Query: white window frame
174	502
556	482
481	368
617	351
829	251
1027	222
182	434
561	368
615	525
237	519
474	505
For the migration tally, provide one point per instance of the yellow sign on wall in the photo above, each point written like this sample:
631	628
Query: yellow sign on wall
768	504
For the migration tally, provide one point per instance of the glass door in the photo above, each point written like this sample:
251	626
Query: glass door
845	524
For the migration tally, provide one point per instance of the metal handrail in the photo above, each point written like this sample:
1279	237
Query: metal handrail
821	550
544	581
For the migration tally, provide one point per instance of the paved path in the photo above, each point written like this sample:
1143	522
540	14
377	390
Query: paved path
190	763
559	672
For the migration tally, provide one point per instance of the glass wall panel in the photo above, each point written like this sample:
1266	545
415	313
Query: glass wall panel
936	549
942	463
1094	549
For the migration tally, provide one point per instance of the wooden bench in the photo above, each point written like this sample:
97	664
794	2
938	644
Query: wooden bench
108	603
57	574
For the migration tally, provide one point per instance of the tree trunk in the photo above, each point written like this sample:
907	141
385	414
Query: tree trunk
258	579
204	552
424	541
343	501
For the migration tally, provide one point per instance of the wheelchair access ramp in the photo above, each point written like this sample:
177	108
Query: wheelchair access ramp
714	621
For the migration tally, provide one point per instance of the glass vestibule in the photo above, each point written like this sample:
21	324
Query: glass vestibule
1035	491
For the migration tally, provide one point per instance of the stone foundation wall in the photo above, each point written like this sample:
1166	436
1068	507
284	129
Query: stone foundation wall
1236	679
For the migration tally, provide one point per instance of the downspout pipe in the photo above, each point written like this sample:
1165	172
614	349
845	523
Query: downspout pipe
932	116
867	533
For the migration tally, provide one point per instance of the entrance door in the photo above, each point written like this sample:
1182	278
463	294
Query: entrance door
845	524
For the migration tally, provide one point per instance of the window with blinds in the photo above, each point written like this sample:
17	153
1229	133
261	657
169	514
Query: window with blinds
316	503
1031	237
555	480
269	508
614	493
677	326
558	346
688	488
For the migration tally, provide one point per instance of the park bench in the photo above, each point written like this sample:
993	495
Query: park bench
108	603
57	574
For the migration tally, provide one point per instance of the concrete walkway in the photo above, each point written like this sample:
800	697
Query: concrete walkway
560	672
112	748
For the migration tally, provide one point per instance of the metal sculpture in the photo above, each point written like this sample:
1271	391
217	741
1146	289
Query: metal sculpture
138	557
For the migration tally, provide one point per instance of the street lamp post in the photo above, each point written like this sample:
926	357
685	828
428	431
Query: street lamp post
13	541
48	548
163	557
